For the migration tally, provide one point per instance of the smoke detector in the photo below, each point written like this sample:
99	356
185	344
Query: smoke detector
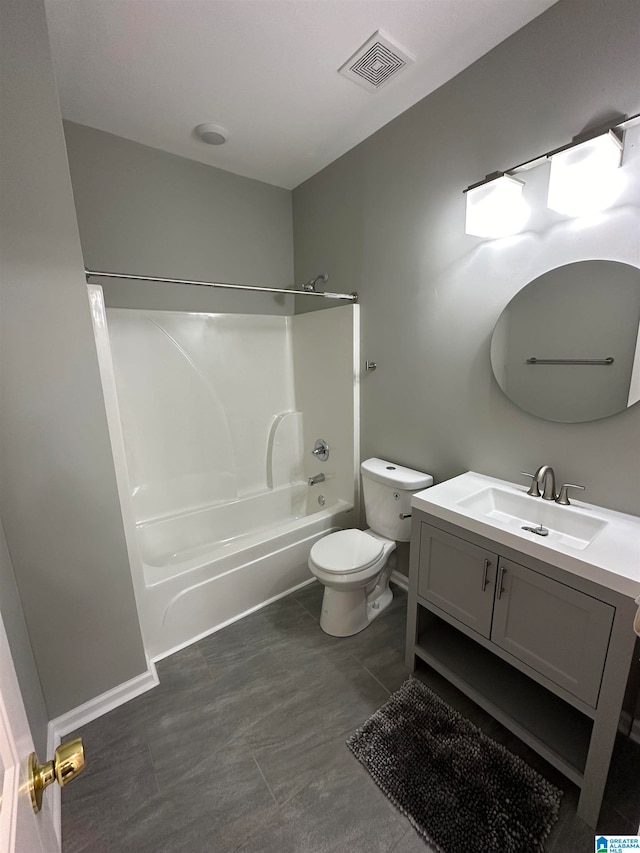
376	62
212	134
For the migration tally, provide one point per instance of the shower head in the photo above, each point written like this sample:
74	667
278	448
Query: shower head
311	285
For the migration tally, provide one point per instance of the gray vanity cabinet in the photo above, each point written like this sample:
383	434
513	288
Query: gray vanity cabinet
555	629
548	653
558	631
458	577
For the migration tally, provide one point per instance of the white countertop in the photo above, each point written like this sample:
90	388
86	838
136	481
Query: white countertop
612	559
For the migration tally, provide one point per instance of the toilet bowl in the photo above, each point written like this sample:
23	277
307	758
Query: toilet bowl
355	565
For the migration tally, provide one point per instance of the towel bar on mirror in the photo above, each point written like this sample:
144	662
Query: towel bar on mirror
604	361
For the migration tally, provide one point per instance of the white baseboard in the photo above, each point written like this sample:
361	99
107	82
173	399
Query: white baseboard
83	714
400	579
94	708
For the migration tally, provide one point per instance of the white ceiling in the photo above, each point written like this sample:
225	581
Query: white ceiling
266	70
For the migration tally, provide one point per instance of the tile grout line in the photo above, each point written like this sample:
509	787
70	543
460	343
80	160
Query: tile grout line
306	609
153	769
238	735
264	778
242	733
384	687
268	822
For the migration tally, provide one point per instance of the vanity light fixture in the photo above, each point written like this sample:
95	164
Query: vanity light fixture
495	208
584	178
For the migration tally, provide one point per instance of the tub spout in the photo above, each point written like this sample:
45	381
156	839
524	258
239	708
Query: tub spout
317	478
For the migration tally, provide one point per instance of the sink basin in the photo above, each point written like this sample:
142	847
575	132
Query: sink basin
599	544
566	525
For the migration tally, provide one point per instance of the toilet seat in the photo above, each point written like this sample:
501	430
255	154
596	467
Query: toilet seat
346	551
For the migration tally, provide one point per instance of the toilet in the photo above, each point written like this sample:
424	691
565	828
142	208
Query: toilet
355	565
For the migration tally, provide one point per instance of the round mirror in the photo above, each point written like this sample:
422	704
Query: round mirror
567	346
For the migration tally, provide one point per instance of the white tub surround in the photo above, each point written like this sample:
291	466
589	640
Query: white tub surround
178	542
213	451
196	595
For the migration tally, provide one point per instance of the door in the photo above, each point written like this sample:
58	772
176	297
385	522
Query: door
555	629
457	577
21	829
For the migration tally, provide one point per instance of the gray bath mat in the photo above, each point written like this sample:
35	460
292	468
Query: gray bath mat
463	792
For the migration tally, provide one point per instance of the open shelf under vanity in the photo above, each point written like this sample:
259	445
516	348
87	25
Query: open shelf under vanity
556	730
549	654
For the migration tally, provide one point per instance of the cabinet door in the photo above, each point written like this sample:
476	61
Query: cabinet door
558	631
457	577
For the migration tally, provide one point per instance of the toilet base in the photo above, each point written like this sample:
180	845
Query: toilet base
345	613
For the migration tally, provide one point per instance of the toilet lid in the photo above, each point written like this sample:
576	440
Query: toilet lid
346	551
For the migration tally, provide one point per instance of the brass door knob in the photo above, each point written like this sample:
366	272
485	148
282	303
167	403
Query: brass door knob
68	761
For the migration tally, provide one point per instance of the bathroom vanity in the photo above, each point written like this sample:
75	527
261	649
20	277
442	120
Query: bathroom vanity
538	631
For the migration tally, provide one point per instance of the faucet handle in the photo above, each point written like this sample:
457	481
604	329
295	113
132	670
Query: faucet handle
321	450
534	491
563	497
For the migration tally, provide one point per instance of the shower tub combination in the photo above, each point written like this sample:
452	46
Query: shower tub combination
211	464
204	569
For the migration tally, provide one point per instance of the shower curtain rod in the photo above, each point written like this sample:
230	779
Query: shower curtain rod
350	297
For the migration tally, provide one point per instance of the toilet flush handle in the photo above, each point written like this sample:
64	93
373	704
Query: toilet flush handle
404	515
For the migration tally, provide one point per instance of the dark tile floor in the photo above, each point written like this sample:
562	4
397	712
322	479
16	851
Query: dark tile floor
242	748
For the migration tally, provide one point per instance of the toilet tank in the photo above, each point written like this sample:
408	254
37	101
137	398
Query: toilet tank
387	492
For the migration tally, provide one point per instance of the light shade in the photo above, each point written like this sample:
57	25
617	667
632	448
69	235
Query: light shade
585	178
496	208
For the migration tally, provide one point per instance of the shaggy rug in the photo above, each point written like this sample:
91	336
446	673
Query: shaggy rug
463	792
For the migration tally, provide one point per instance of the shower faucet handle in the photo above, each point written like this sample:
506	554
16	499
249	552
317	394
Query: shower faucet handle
321	450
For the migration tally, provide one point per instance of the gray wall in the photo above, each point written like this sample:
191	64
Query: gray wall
144	211
21	652
58	499
387	219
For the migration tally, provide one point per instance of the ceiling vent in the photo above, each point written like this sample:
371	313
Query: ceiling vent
376	62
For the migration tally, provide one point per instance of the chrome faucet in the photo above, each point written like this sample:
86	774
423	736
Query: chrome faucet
544	477
547	479
317	478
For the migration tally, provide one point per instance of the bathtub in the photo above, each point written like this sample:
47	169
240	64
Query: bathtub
207	567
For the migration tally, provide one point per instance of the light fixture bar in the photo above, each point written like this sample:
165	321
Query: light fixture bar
620	125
